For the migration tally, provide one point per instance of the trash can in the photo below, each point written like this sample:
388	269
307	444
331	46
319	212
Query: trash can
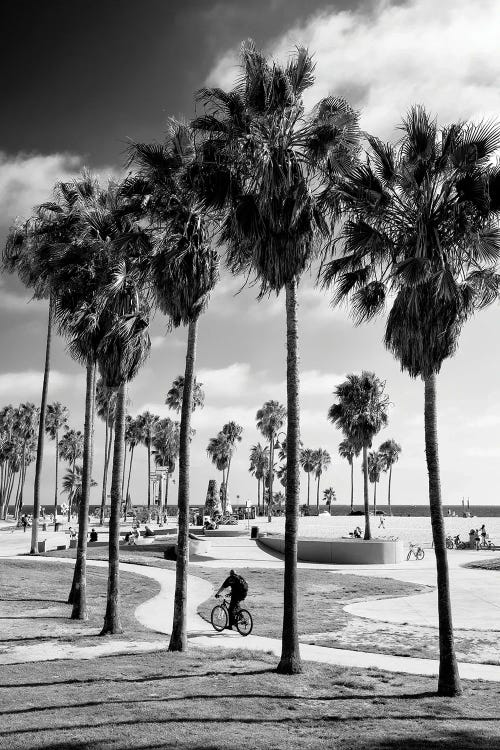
57	526
254	532
41	546
44	526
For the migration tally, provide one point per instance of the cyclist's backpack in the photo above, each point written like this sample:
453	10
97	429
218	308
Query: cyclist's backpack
242	585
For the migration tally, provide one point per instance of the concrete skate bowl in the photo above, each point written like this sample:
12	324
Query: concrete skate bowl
340	551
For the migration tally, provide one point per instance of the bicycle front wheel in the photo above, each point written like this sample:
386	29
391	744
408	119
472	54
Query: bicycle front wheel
219	618
244	623
408	556
420	553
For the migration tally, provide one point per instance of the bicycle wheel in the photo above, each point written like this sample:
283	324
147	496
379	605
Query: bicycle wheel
449	544
219	618
420	554
244	623
408	556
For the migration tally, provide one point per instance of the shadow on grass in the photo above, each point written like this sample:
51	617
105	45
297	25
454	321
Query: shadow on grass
52	601
460	740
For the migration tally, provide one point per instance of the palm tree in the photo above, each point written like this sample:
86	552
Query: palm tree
219	450
31	252
267	163
26	421
349	451
70	450
321	461
329	496
375	468
105	409
270	419
259	467
233	433
72	485
132	439
147	423
56	420
361	412
389	452
307	463
425	231
166	445
174	395
184	270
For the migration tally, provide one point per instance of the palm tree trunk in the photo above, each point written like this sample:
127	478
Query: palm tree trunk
178	638
78	595
124	504
56	492
317	495
271	478
112	622
227	477
449	679
389	491
375	498
41	436
167	480
149	472
290	662
308	486
71	495
107	451
129	472
352	486
368	534
258	496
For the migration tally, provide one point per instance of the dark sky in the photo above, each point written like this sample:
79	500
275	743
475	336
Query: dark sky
82	75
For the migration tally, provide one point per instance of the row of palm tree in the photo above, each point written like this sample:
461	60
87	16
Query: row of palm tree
418	232
221	449
379	461
18	429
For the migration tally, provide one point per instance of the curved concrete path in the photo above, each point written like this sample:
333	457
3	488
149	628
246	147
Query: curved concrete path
156	614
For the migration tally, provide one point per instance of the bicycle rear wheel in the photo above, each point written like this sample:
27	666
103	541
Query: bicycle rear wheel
244	622
420	554
408	556
219	618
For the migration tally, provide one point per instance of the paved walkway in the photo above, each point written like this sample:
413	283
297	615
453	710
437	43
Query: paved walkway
157	613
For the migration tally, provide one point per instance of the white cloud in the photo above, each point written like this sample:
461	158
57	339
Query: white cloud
28	384
27	180
444	55
228	382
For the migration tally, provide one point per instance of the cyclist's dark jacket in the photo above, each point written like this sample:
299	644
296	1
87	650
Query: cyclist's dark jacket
238	585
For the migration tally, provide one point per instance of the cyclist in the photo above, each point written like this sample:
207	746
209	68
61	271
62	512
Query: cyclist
239	591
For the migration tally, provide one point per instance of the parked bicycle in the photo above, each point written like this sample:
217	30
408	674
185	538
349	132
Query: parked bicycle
220	618
450	543
415	551
486	544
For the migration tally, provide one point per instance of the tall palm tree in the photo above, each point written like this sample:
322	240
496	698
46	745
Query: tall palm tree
147	423
219	450
360	412
267	163
270	419
425	231
105	409
133	433
349	451
375	468
31	252
185	269
307	464
55	421
174	395
72	485
329	496
166	445
25	429
70	450
233	433
321	461
389	451
259	467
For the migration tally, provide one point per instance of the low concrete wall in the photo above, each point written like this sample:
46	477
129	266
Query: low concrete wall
341	551
226	531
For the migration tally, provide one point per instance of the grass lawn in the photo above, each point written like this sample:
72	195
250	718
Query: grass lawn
485	564
33	603
224	700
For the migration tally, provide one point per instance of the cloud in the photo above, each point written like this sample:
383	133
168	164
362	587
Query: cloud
20	303
444	55
27	180
228	382
28	384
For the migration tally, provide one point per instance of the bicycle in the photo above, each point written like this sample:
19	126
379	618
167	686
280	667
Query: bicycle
450	544
486	544
220	618
417	552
